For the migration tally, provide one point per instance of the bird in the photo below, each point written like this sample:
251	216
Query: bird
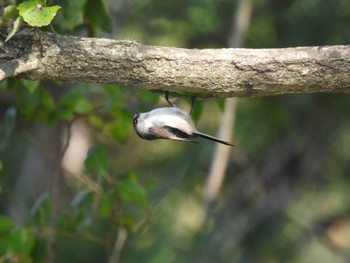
169	123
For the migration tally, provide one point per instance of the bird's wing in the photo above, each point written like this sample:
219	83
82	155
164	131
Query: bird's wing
171	121
177	134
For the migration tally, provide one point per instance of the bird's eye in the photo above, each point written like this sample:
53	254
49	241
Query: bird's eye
136	117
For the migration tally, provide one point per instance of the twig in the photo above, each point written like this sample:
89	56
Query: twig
50	232
118	245
85	180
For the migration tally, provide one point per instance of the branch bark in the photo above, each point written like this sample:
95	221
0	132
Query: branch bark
219	72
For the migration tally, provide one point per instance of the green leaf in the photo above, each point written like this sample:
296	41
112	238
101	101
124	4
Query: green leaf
18	243
114	103
73	12
47	108
81	218
130	189
113	90
106	205
35	13
197	110
221	103
30	85
10	12
22	241
75	101
97	160
95	12
82	105
16	25
6	224
149	97
27	103
126	220
121	126
38	105
96	121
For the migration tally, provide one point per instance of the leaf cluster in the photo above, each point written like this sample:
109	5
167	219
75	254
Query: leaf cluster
34	12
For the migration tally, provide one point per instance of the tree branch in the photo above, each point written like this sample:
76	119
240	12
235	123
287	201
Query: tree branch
220	72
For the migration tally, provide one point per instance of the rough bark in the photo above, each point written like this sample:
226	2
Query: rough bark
218	72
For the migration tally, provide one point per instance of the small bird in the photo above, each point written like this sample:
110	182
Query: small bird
168	123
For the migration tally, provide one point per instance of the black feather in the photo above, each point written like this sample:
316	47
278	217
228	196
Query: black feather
178	133
212	138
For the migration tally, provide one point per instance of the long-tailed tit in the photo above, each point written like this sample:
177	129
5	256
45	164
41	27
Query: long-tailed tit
168	123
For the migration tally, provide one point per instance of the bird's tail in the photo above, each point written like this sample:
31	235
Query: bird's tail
212	138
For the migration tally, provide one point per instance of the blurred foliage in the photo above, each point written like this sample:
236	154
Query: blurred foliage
286	195
16	243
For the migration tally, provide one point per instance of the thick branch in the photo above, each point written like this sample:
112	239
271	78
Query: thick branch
220	72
